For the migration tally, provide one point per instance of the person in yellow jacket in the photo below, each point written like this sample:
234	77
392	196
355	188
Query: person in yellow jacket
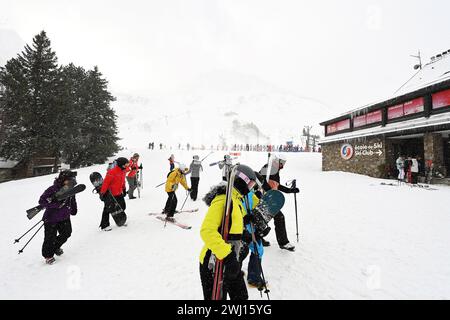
174	178
216	248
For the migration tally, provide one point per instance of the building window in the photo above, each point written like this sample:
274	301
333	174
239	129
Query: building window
441	99
395	112
338	126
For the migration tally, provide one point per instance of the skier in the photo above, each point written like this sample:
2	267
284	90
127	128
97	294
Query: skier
115	184
133	168
194	170
57	225
172	162
215	246
277	164
173	179
400	164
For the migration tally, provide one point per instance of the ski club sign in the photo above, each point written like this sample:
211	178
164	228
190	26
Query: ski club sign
347	152
375	149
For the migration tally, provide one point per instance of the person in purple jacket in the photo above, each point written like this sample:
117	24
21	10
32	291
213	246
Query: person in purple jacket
56	218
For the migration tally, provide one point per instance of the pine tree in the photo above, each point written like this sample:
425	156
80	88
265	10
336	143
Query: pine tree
29	102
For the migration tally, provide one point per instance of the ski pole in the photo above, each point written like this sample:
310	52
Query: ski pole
159	185
21	250
207	156
17	240
294	185
185	201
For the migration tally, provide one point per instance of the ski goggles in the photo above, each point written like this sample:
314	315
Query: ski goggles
250	183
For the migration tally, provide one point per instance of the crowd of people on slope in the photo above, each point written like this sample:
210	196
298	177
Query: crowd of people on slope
409	168
242	240
242	147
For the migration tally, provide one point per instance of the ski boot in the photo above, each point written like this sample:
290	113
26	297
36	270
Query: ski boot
107	228
59	252
50	260
170	219
265	243
288	247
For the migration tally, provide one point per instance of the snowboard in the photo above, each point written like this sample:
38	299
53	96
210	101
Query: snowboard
268	207
175	223
59	196
111	204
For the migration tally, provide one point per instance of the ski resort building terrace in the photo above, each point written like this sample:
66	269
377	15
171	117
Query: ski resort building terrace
414	122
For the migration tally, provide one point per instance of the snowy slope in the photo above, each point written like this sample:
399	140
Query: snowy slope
358	240
204	113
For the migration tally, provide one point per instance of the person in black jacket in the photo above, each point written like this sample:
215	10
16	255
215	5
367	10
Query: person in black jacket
278	163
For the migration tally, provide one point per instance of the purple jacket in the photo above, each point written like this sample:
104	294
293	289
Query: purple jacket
60	210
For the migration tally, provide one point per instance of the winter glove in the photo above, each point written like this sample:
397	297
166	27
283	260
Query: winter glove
189	190
247	237
294	190
232	267
249	218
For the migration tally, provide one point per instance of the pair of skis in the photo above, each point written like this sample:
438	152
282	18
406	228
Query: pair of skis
160	216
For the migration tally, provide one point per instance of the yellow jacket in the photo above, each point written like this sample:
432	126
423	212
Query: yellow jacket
174	178
210	232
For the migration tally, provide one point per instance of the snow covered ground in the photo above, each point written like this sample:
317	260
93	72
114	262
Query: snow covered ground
358	240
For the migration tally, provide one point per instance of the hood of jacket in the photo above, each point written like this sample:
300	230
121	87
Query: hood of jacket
215	190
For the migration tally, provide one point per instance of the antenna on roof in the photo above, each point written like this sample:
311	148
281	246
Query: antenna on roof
418	66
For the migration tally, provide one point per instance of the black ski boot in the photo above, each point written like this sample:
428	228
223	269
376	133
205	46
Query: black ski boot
59	252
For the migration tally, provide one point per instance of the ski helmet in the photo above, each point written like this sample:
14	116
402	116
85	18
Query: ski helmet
182	167
67	175
121	162
245	179
196	157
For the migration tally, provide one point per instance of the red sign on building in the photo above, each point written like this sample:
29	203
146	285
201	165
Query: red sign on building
374	117
441	99
414	106
338	126
395	112
359	121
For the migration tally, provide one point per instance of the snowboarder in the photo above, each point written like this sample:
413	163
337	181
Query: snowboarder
176	177
216	248
278	163
132	178
194	170
114	184
57	225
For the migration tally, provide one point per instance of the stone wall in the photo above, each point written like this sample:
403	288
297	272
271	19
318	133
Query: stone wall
369	155
434	151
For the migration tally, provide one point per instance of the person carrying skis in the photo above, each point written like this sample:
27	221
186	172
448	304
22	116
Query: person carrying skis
194	170
216	248
174	178
132	176
278	164
57	225
114	184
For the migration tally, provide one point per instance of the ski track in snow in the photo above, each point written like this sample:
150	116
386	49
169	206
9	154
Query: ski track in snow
358	239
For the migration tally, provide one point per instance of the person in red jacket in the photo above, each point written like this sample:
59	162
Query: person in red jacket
113	192
132	178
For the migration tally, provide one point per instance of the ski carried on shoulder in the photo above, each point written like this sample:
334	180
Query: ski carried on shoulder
176	223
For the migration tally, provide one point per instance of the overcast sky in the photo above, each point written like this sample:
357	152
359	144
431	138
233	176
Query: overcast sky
345	53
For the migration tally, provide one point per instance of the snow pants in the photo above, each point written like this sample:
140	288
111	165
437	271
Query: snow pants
280	229
132	185
56	234
171	204
194	188
236	289
111	206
